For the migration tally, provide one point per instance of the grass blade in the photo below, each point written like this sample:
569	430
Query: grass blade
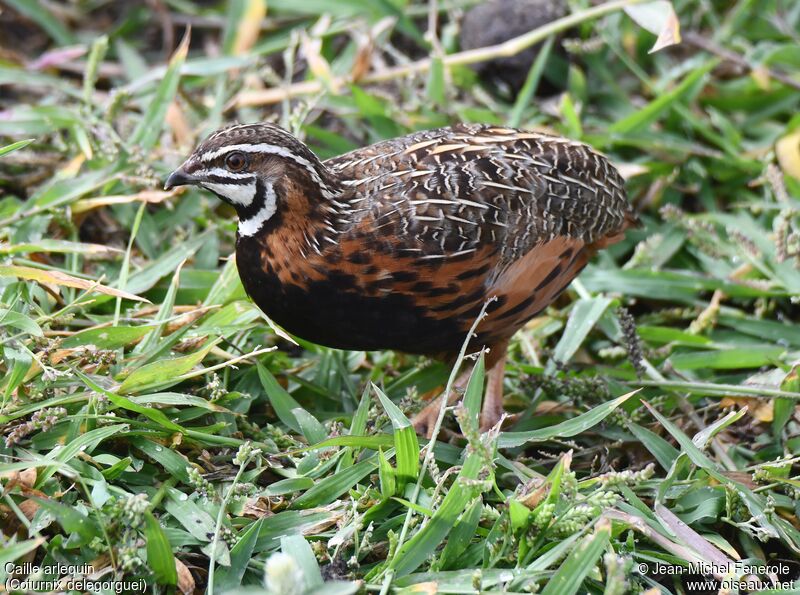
406	443
149	128
565	429
582	318
328	489
159	552
570	575
20	144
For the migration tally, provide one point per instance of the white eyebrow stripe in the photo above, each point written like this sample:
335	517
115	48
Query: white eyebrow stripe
272	150
250	148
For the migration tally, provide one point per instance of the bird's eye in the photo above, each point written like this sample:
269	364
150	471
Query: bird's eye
236	161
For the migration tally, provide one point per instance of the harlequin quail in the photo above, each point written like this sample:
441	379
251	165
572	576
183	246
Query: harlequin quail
398	245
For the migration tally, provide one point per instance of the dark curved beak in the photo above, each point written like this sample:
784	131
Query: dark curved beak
179	178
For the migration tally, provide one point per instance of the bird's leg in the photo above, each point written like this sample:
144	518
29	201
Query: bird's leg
425	420
492	410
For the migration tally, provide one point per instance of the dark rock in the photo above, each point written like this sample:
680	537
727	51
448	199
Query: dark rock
496	21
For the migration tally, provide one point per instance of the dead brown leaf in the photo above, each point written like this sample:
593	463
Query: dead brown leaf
179	125
249	26
148	196
29	508
185	579
319	66
24	479
257	507
787	150
536	495
27	478
760	409
59	278
429	588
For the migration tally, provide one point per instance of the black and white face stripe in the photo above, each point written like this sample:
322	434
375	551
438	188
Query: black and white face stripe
268	204
255	201
240	195
271	149
221	175
239	189
273	159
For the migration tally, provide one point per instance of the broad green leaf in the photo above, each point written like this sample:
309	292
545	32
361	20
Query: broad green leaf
582	318
226	287
193	518
73	522
310	428
19	361
371	442
755	502
175	399
85	443
107	337
650	112
20	144
565	429
282	402
124	403
528	90
570	116
358	425
24	116
727	359
63	191
570	575
164	312
681	286
417	549
462	535
386	476
552	556
12	552
163	373
326	490
229	577
702	438
473	395
662	450
159	552
117	469
40	13
289	486
145	278
436	82
171	461
299	549
518	514
149	128
662	334
405	441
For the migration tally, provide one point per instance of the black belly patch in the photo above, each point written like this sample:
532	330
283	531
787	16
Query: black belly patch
331	313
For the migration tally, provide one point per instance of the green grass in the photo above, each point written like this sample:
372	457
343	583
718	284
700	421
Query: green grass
158	428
